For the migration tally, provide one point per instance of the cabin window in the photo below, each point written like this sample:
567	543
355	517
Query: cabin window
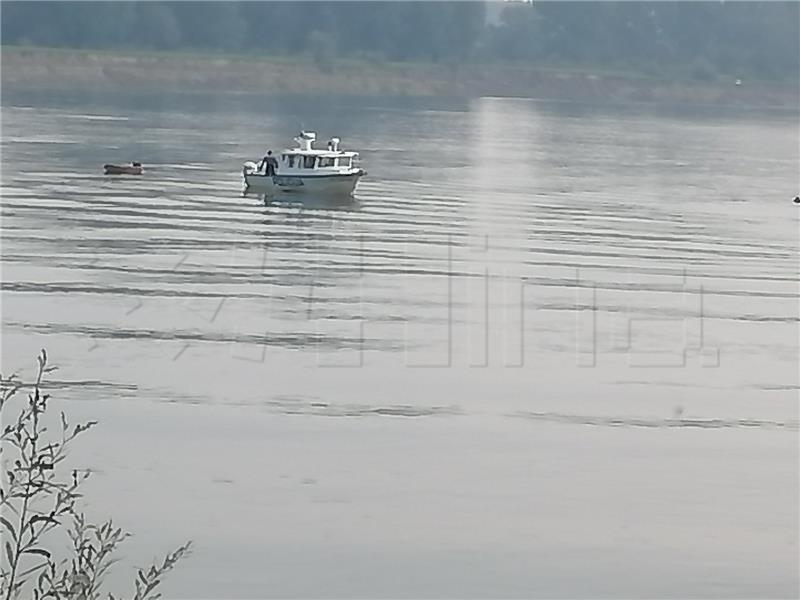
343	162
327	162
290	158
308	162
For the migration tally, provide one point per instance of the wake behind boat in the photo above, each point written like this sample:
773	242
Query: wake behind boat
305	169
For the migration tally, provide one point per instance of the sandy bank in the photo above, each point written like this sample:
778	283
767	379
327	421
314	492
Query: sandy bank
43	68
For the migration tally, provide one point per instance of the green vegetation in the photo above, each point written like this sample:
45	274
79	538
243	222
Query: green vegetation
39	508
700	40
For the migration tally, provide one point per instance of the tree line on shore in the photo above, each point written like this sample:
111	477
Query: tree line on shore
699	39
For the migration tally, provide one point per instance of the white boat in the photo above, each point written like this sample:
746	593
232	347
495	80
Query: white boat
307	169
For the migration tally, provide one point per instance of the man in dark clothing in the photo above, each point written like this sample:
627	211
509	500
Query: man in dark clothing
269	164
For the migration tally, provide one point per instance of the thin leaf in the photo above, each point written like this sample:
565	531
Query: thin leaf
32	570
9	553
9	526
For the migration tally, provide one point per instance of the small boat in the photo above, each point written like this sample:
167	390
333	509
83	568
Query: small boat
307	169
134	168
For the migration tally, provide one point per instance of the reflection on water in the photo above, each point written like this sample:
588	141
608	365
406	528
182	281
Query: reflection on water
309	202
594	310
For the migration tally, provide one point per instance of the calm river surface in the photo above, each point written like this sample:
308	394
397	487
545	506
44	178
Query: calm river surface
549	350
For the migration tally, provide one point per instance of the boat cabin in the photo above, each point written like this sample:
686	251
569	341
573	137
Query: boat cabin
309	161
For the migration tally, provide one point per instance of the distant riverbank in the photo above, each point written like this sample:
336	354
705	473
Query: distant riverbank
26	68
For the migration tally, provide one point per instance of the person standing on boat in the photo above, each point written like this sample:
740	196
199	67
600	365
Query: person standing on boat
269	164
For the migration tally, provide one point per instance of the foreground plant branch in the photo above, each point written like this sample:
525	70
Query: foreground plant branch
38	511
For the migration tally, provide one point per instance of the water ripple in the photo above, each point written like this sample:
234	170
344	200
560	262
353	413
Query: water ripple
655	423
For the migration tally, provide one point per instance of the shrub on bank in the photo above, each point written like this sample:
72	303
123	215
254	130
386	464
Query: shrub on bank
40	507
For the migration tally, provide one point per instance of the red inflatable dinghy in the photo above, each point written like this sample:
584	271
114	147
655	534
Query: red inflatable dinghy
131	169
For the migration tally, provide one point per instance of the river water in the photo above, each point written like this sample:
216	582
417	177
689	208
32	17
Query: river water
548	350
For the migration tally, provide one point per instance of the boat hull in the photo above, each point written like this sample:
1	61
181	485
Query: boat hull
344	184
